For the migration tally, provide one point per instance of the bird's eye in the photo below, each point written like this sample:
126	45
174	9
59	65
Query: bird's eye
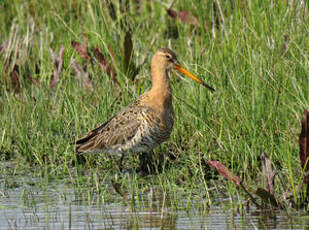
167	56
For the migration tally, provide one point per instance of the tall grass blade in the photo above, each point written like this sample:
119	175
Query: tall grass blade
58	67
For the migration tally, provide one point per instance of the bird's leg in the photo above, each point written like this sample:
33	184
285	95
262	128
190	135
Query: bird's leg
120	165
146	164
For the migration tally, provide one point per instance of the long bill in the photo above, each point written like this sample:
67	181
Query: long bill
190	75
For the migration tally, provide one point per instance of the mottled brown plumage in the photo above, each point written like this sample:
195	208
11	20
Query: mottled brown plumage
146	122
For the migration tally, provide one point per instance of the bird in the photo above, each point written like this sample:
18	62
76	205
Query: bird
145	123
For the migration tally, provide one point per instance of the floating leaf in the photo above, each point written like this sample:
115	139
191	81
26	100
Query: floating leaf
58	67
268	173
267	197
224	171
82	49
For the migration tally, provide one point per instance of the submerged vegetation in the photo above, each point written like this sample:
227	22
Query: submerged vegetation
67	66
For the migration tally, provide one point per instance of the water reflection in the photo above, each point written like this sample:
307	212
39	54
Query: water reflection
31	208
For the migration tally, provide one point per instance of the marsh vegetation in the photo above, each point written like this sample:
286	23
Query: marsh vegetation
67	66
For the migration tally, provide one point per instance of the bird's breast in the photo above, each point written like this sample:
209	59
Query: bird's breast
168	118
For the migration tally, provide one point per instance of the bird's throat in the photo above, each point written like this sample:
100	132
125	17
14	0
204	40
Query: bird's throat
160	94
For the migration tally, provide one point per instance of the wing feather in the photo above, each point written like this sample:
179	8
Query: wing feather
113	133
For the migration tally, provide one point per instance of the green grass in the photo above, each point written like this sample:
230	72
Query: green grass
257	59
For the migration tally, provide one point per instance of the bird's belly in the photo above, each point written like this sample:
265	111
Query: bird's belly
146	140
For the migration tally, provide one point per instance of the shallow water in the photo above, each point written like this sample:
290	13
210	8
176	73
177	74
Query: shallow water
59	208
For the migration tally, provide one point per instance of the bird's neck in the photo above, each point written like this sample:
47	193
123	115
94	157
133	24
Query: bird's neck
161	86
160	95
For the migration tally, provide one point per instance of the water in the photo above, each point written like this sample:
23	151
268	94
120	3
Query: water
62	208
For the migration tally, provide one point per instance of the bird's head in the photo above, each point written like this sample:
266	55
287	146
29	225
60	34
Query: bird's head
166	59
